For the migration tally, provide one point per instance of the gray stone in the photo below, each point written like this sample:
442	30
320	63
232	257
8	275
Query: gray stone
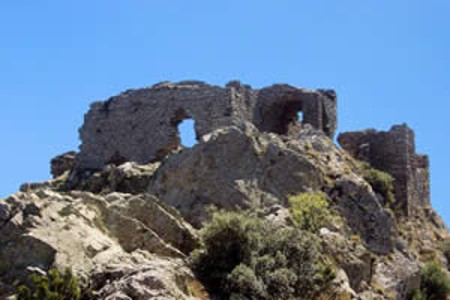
141	125
84	231
154	278
235	168
394	152
241	167
62	163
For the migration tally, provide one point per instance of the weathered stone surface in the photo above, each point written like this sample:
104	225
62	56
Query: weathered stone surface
351	256
113	218
365	215
128	178
394	152
339	289
241	167
152	278
233	168
62	163
85	231
398	274
141	125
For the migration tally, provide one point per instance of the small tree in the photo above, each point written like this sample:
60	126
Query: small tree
310	210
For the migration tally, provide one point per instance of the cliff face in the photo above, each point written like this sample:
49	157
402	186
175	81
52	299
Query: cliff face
125	215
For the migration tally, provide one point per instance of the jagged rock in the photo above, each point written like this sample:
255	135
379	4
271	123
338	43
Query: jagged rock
398	274
62	163
241	167
152	278
4	212
350	255
339	288
83	231
111	211
365	215
233	168
129	178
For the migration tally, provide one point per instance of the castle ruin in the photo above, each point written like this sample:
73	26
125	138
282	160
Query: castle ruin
394	152
142	126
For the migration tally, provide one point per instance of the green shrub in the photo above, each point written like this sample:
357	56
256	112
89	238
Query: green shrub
53	286
381	182
245	257
434	284
310	210
417	295
446	250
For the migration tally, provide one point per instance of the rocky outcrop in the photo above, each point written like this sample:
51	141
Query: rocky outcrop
240	167
128	178
125	212
233	168
148	278
62	163
45	229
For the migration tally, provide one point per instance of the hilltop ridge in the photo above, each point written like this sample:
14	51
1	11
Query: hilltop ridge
131	209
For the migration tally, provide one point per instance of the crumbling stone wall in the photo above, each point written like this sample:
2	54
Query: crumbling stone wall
394	152
277	107
142	125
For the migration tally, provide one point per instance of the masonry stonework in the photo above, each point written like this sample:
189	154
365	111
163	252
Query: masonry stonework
142	125
394	152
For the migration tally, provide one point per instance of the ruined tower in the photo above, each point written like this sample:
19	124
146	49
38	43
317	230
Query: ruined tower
394	152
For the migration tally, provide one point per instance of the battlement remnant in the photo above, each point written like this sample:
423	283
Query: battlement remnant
142	125
394	152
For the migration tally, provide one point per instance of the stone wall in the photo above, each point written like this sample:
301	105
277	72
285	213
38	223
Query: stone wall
142	125
394	152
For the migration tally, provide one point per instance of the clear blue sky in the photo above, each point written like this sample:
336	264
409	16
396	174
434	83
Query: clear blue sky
389	62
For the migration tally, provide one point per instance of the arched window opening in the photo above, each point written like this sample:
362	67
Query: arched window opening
285	115
187	133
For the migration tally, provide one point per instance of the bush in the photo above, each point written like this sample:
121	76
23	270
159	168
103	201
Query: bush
434	284
381	182
245	257
310	211
53	286
417	295
446	250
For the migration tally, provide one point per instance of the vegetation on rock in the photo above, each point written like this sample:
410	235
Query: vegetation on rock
52	286
381	182
245	257
310	211
434	284
446	250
